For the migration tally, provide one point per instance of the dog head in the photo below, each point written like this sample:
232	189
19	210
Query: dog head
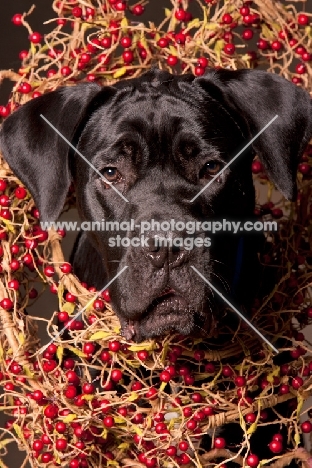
159	140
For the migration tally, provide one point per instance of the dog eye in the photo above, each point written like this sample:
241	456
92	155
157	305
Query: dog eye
211	168
111	174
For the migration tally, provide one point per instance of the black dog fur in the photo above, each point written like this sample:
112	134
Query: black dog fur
160	137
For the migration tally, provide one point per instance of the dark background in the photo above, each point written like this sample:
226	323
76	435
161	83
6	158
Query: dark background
13	39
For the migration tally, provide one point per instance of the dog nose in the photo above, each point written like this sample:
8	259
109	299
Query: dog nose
160	251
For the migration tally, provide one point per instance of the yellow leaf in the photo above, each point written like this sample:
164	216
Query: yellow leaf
87	397
297	438
99	335
1	352
68	307
143	41
60	292
124	22
308	31
18	431
276	26
112	462
119	420
56	457
273	374
133	396
148	422
299	405
162	386
267	33
104	433
116	329
5	442
28	371
195	23
59	353
76	351
8	224
120	72
148	346
252	428
138	430
173	50
123	445
219	47
211	26
167	12
157	37
69	418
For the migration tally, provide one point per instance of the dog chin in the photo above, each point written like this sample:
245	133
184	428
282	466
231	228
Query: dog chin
170	314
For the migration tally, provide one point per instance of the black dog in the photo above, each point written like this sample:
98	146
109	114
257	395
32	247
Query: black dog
160	139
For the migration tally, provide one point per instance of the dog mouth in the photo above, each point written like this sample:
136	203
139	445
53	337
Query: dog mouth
169	312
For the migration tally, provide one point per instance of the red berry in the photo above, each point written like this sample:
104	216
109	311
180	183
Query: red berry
25	88
137	10
98	305
165	376
77	12
303	20
276	446
70	392
20	193
60	427
4	111
301	69
66	71
240	381
108	421
70	297
219	443
142	355
229	48
61	444
252	461
183	445
180	14
172	60
227	18
88	388
227	371
13	284
128	56
116	375
51	411
17	19
163	42
126	41
297	382
37	445
247	34
6	303
276	45
106	42
171	451
35	38
114	346
304	168
63	316
306	427
49	270
37	395
250	418
46	457
66	268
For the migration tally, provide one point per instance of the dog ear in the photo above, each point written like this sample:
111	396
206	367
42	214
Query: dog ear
255	97
36	153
